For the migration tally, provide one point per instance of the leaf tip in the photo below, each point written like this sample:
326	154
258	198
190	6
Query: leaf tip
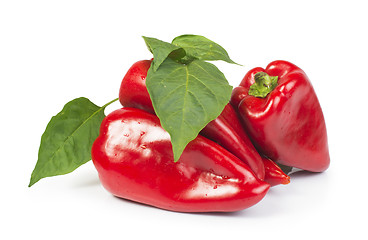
177	155
32	181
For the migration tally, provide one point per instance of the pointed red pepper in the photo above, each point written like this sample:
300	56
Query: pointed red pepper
274	175
134	159
282	116
226	129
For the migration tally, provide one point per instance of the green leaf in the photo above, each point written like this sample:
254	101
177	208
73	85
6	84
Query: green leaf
201	48
186	98
68	138
161	50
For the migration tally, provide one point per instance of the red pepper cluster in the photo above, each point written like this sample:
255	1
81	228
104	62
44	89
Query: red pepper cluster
273	116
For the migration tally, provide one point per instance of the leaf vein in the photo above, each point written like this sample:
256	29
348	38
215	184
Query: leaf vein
208	89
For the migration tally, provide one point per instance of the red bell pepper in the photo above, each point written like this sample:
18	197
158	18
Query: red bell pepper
282	116
133	91
134	159
226	130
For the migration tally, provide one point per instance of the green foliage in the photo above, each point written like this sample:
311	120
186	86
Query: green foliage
68	138
186	91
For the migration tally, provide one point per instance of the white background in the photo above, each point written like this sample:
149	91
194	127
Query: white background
54	51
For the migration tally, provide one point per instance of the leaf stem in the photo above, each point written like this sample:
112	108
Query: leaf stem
107	104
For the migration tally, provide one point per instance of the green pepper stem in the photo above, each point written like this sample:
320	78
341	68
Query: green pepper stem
263	85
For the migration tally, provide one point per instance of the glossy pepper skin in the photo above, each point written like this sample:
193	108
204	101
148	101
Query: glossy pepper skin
133	91
134	160
288	124
274	175
225	130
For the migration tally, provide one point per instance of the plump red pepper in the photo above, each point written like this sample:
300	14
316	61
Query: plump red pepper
226	130
134	159
282	116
